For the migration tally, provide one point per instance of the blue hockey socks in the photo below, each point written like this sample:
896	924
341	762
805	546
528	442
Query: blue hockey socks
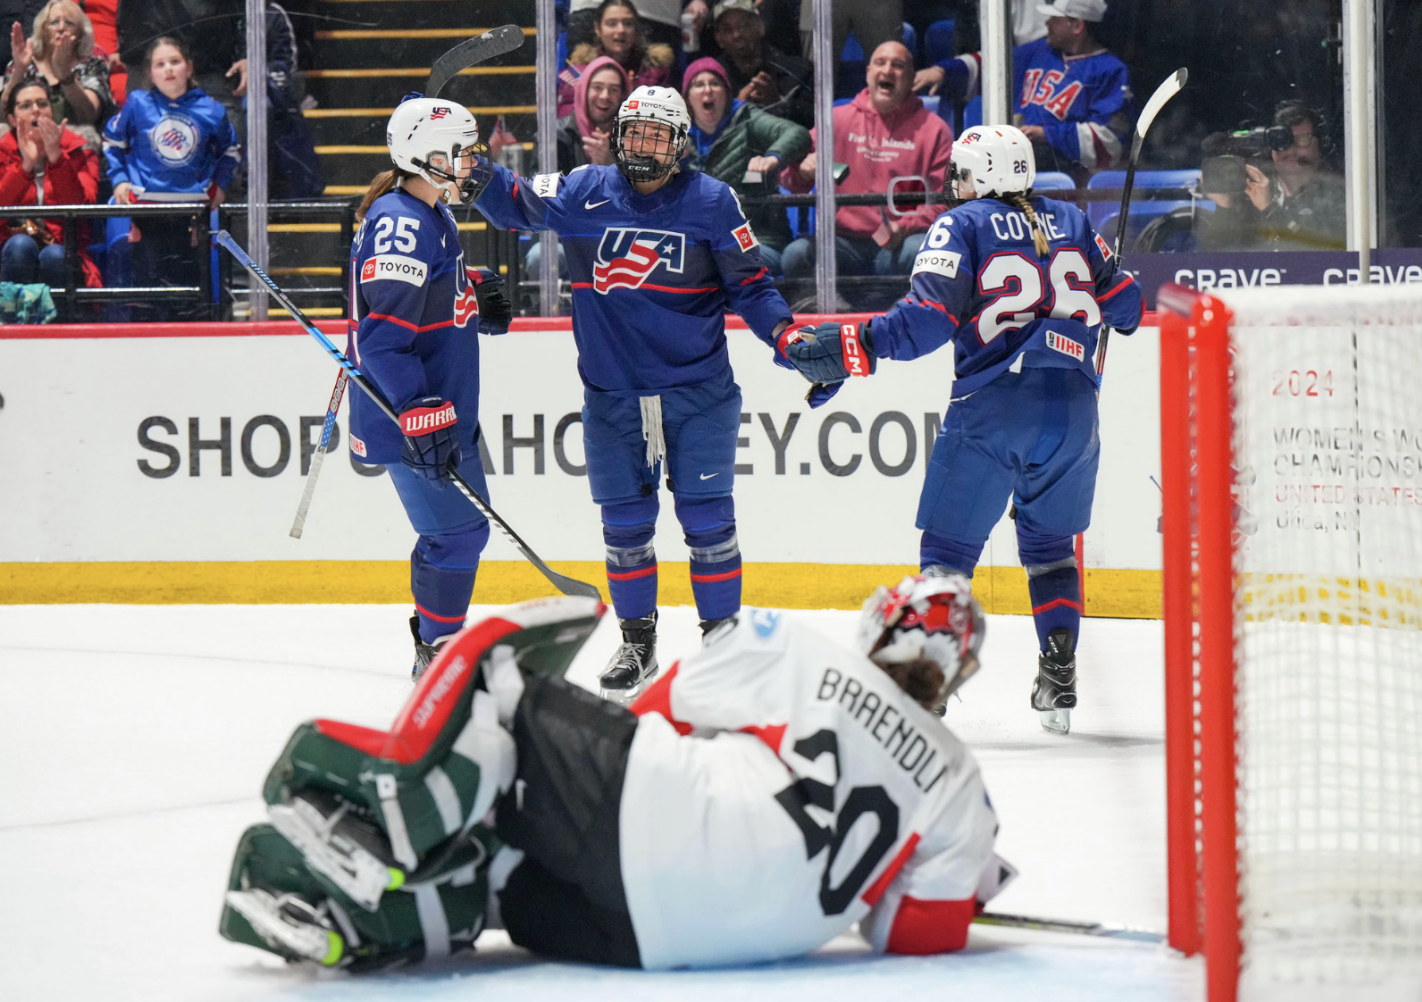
627	530
710	528
1053	582
442	572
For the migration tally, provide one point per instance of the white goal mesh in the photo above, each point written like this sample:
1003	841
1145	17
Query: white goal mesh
1327	410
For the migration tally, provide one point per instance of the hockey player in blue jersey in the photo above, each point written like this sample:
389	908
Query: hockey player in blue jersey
1021	285
656	257
416	311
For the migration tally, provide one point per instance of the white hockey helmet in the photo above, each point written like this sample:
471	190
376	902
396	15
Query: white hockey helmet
423	128
932	617
656	159
997	158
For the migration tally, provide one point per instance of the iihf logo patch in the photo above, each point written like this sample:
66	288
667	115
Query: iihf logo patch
1101	246
626	258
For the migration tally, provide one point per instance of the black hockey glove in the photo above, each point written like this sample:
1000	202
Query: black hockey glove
495	309
431	446
830	352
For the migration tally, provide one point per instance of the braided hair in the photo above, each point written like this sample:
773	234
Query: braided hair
1018	200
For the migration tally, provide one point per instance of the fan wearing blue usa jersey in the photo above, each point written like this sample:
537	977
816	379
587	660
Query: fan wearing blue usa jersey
416	311
656	258
1020	284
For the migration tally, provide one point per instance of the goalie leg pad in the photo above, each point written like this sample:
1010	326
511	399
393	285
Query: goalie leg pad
627	529
710	528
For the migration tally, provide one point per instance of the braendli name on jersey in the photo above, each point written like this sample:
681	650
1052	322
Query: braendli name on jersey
905	745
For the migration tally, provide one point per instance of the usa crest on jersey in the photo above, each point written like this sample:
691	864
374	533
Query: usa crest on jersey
626	258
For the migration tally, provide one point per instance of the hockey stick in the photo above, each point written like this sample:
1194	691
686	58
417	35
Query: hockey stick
1168	89
1078	928
320	456
494	42
566	585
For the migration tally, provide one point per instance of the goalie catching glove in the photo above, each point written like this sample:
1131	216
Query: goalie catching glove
830	353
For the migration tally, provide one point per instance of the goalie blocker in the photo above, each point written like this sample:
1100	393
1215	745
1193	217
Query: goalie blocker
603	845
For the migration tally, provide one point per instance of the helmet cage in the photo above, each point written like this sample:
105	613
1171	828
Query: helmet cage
465	190
667	146
930	617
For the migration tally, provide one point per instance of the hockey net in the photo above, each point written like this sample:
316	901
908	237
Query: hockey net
1291	428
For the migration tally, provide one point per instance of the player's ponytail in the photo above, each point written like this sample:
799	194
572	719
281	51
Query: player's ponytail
1019	201
921	678
382	183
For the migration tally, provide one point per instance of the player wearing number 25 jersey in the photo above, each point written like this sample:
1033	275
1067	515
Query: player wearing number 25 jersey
1020	285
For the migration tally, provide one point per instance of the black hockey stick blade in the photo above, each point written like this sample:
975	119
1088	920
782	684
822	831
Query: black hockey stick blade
1067	926
470	52
565	584
1168	88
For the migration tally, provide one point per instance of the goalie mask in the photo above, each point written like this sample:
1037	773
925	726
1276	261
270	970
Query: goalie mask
996	158
651	132
439	141
928	617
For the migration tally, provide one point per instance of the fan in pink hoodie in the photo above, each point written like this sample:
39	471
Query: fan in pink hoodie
885	132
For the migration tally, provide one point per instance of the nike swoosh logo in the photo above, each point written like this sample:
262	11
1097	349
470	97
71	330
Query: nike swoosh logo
594	205
708	476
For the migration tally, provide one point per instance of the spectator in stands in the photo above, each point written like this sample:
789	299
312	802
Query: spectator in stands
885	132
872	21
103	15
1072	96
60	55
759	73
42	162
661	21
734	142
172	143
1302	206
619	35
583	136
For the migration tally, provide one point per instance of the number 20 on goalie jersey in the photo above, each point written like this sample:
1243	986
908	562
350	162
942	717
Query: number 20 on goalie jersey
979	282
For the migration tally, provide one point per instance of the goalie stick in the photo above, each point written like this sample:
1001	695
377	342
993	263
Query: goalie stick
1062	925
494	42
319	456
566	585
1168	89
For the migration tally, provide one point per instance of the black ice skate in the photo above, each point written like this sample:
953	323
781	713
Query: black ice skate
424	653
634	664
710	626
1054	692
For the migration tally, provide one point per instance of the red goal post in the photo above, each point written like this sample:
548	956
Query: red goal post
1291	452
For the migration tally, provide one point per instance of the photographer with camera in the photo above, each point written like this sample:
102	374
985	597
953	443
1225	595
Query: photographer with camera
1293	200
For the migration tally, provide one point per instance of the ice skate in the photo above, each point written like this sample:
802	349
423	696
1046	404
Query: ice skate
634	663
710	626
1054	691
424	653
290	925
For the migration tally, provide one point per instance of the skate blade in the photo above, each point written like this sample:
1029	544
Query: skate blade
624	697
303	942
1056	721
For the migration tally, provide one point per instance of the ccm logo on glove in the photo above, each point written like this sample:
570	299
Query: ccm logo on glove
854	361
423	420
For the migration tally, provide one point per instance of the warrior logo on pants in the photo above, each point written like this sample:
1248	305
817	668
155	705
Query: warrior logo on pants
627	257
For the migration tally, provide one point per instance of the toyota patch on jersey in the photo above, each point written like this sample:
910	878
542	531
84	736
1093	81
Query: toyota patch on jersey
745	237
394	266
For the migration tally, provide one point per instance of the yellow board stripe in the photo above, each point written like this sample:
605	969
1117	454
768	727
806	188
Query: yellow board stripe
413	71
346	34
1126	594
313	270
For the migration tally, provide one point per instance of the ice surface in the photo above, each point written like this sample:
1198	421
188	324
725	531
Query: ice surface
135	739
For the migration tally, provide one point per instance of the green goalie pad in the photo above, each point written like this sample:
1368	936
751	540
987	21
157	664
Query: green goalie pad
276	904
440	766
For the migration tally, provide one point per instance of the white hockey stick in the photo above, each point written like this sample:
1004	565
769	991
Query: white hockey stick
319	456
1168	89
1077	928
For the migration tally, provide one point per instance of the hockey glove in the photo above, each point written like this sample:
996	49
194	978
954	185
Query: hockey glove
431	446
495	309
821	392
830	352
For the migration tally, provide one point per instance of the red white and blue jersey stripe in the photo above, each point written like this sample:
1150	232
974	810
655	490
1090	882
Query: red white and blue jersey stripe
979	283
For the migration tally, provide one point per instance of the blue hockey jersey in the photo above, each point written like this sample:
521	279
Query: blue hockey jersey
652	275
171	150
1083	103
979	283
414	321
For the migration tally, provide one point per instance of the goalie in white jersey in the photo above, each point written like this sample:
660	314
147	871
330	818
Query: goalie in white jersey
764	796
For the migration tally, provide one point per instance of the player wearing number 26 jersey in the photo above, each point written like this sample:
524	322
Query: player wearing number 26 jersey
1021	286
